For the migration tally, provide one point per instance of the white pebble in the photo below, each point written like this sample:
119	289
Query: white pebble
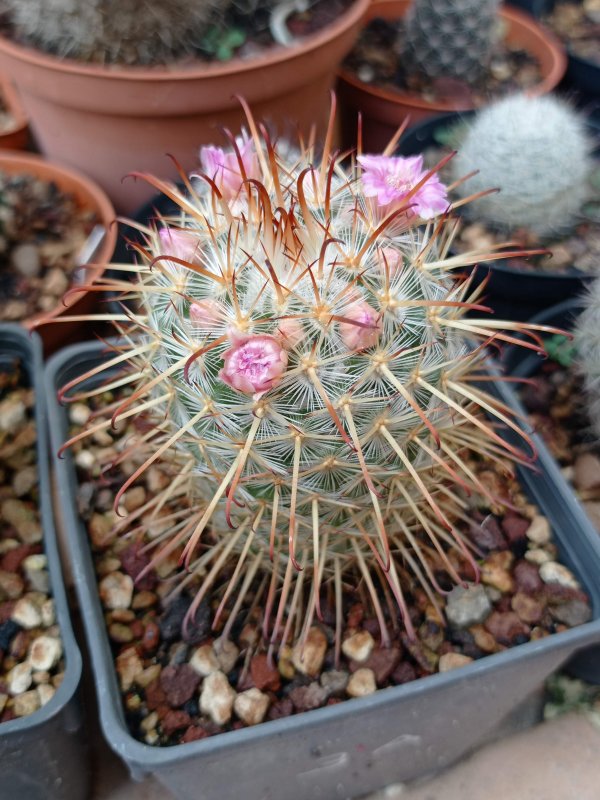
361	683
217	697
251	706
44	652
45	693
116	590
19	678
539	530
359	646
204	660
26	613
26	703
552	572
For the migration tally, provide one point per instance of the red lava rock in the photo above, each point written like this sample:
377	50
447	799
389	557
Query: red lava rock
12	560
264	676
528	608
487	535
179	683
383	661
133	562
355	615
7	715
193	733
175	721
6	610
155	695
333	701
555	594
151	637
404	673
515	527
280	708
506	626
20	645
137	628
305	698
527	577
372	626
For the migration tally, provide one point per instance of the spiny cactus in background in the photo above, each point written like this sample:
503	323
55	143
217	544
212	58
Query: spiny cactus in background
303	350
449	38
125	31
587	345
536	151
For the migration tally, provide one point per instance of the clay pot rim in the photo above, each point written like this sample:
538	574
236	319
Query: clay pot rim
14	162
513	16
278	54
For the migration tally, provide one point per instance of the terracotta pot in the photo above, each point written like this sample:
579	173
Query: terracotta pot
17	136
108	121
88	195
383	110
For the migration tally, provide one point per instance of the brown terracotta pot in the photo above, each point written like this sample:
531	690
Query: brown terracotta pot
88	195
108	121
17	136
384	110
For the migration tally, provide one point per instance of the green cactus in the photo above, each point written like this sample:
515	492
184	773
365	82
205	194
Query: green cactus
449	38
303	348
537	152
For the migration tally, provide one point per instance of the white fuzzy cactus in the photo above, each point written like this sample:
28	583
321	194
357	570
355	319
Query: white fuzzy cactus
126	31
536	151
303	349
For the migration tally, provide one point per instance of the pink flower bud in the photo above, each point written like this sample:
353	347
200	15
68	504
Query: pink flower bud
207	313
292	332
391	257
253	364
365	328
178	243
223	166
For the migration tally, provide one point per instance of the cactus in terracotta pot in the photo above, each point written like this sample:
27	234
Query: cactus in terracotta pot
449	38
537	152
303	349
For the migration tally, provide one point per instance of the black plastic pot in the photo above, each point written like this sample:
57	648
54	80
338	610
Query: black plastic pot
512	293
582	75
350	749
44	756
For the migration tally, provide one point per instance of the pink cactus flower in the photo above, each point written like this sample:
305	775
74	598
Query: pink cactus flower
254	364
390	178
364	334
178	243
292	332
207	313
223	166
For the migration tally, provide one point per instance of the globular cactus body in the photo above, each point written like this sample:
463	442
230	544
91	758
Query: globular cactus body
124	31
536	151
449	38
303	349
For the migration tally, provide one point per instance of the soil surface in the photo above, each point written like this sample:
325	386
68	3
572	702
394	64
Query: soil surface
184	683
376	60
42	230
31	658
578	25
555	402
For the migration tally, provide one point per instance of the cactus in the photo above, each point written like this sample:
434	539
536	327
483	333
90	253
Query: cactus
449	38
587	344
303	348
125	31
536	151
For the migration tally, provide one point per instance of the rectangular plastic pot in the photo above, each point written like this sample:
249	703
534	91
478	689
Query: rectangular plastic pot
352	748
44	756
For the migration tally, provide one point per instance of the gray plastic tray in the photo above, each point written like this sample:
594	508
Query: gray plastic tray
350	749
44	756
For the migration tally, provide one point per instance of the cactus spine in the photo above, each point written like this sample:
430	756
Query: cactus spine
449	38
536	151
303	350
